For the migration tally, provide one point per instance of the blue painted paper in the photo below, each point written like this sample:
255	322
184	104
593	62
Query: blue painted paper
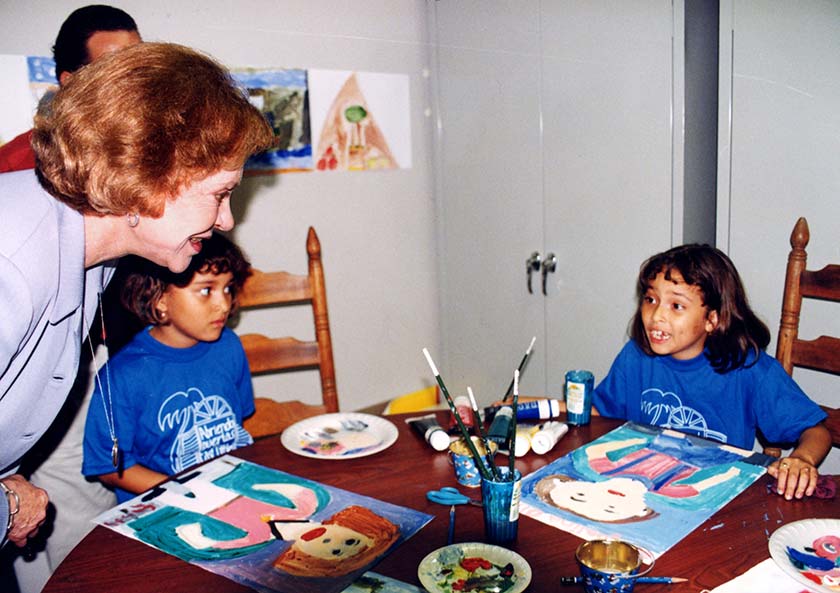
266	529
641	484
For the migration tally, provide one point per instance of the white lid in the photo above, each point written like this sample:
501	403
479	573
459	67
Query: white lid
439	440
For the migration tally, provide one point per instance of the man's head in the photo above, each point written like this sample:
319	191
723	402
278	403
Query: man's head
88	33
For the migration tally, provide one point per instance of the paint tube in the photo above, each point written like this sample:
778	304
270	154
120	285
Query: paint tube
544	440
464	410
427	427
524	434
538	409
498	431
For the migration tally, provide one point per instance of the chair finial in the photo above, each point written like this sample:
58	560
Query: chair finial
801	234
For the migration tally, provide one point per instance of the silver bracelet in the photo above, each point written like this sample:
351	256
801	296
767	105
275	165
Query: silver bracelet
12	496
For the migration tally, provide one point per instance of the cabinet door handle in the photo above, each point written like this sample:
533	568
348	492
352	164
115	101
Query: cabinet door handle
548	266
532	264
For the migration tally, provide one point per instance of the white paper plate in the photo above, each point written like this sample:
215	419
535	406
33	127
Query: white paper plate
339	436
440	569
793	544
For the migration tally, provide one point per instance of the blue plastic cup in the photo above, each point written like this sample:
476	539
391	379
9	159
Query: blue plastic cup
501	507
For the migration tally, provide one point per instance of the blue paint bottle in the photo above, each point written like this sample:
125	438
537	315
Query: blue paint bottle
579	386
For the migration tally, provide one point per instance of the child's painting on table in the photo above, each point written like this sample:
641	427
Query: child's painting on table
641	484
264	528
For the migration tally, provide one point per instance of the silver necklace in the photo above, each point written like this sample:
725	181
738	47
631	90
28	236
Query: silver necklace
109	407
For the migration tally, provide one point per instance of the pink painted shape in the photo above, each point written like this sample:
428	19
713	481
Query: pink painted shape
247	513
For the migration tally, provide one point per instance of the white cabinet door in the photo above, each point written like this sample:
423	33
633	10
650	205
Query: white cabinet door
608	162
489	149
554	134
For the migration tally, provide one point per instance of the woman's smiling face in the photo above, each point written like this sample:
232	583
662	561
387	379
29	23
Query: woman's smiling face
191	216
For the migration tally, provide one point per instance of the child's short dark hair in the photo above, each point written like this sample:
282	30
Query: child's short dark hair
739	331
145	282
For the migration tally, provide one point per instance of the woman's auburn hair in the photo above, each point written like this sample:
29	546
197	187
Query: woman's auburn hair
130	130
740	336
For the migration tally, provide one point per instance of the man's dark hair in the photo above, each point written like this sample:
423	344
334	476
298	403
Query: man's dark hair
70	49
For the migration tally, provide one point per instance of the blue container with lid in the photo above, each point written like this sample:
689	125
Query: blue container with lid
578	388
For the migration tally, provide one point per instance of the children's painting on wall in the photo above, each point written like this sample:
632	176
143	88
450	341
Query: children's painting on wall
26	82
357	121
264	528
645	485
283	97
360	120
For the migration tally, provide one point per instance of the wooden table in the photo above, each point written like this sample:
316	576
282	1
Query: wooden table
729	543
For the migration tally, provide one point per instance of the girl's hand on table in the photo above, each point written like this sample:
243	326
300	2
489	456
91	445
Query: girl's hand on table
795	477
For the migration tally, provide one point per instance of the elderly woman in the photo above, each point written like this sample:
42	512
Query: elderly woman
138	154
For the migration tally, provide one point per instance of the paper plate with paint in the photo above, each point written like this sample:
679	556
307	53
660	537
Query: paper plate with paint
339	436
809	551
475	567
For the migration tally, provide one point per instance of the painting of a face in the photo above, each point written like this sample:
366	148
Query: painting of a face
617	499
332	541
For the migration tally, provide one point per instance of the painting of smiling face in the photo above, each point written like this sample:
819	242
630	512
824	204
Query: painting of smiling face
615	500
332	541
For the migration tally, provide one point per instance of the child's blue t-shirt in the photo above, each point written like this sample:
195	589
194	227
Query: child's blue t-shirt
689	396
172	407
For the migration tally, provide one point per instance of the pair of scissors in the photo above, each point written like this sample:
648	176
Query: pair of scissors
450	496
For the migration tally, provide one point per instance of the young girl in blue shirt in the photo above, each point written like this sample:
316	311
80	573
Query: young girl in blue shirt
696	363
177	393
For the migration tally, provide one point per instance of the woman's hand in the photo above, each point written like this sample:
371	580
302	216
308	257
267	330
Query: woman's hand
32	511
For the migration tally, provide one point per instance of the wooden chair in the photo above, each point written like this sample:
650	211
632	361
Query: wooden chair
282	354
822	353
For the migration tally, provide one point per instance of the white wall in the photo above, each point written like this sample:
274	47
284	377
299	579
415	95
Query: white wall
376	229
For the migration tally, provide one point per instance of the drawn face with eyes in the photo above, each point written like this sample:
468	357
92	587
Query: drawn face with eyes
615	500
332	542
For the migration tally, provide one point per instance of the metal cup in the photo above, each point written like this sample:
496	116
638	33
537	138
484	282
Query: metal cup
466	472
608	566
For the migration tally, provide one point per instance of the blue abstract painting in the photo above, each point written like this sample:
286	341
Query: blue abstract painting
283	97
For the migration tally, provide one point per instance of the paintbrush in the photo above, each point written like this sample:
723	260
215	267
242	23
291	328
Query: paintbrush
451	535
512	430
665	580
483	435
479	462
520	368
